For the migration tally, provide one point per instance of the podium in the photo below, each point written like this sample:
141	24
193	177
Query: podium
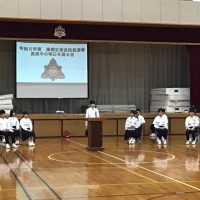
95	134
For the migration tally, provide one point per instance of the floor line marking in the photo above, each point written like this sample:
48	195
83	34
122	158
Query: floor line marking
130	171
146	169
164	194
90	185
17	179
86	185
41	179
51	157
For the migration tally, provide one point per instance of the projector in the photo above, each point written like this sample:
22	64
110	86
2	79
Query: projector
60	112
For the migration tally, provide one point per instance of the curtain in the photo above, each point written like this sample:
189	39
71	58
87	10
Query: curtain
194	52
119	73
126	73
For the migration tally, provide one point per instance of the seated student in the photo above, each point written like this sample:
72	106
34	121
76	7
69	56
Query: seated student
14	124
141	121
6	130
164	115
131	126
2	139
91	112
191	124
161	127
27	129
198	128
153	130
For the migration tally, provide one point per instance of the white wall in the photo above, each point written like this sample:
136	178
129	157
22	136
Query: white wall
137	11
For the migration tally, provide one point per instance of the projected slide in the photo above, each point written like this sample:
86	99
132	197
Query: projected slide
51	70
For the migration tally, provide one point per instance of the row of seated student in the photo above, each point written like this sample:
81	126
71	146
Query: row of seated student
133	126
12	130
159	127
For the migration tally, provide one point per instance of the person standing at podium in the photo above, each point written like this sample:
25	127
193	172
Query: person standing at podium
91	112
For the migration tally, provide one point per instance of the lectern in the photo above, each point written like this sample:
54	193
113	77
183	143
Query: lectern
95	134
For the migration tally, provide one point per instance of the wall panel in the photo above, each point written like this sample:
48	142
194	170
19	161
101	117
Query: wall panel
30	9
189	12
50	128
72	10
112	10
177	126
151	12
121	126
9	8
132	10
75	127
109	127
93	10
50	9
145	11
170	11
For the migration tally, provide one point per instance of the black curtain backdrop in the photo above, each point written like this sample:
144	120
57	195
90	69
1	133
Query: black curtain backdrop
194	52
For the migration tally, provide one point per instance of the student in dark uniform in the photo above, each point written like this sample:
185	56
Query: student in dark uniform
153	130
6	130
141	121
27	129
161	126
131	128
191	124
14	124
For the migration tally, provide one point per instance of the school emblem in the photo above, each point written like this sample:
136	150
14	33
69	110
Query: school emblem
59	32
53	71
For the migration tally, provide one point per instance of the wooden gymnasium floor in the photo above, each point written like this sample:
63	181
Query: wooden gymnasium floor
64	169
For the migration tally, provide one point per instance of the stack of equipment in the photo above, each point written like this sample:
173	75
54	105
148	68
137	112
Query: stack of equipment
116	108
171	99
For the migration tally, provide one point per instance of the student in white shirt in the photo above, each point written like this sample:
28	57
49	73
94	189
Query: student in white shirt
191	124
161	127
198	128
141	121
91	112
164	115
14	124
27	129
6	130
131	128
152	128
